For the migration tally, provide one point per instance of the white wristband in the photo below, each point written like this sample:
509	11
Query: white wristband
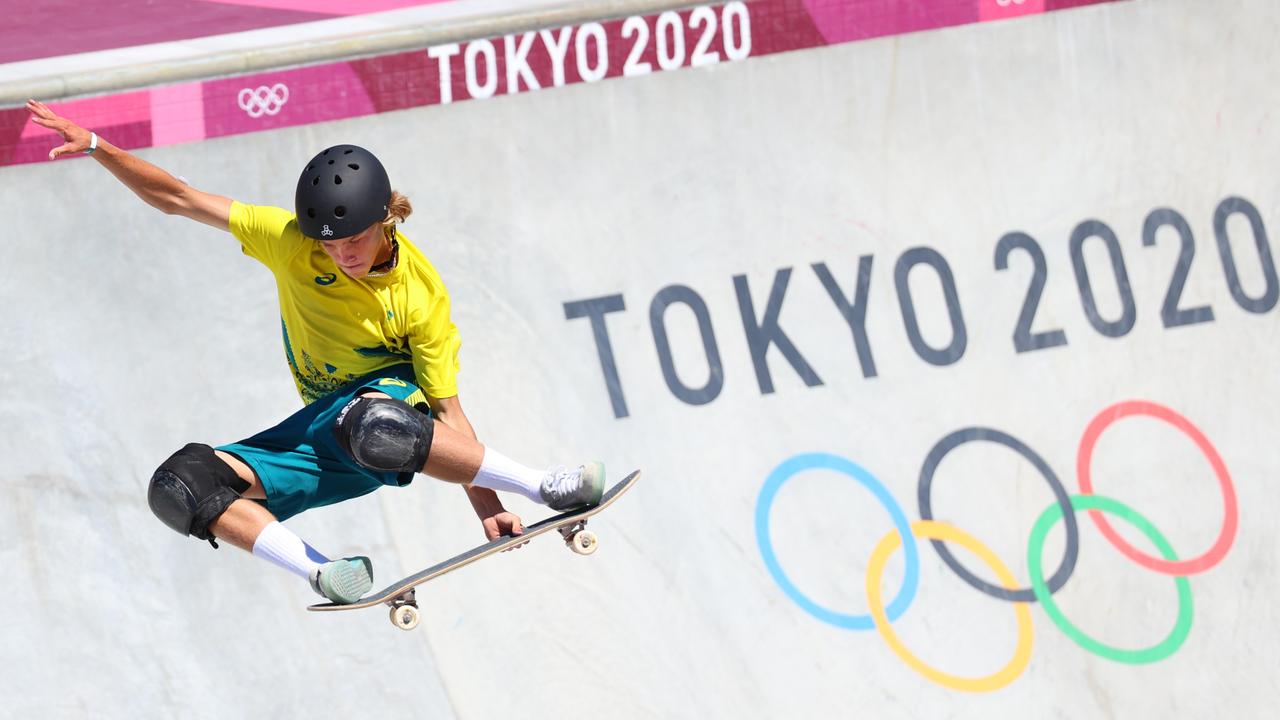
93	143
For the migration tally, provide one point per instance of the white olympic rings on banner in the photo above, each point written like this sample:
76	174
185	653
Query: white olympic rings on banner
263	100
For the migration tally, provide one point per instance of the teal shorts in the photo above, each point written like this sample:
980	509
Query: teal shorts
299	462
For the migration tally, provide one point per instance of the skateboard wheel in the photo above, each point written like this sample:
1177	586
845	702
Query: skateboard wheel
404	617
584	542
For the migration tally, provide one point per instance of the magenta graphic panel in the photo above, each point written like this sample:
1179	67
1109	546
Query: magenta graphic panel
50	28
489	68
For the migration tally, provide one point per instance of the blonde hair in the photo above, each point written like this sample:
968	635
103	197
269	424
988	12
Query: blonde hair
398	210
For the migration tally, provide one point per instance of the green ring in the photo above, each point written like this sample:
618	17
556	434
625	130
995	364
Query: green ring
1035	549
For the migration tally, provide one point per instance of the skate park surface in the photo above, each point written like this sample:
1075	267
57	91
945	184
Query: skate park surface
837	303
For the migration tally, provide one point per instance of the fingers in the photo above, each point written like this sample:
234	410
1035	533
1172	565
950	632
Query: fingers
504	524
41	114
63	149
514	529
76	137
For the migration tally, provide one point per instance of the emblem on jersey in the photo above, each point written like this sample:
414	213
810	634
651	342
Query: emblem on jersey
393	382
326	279
326	231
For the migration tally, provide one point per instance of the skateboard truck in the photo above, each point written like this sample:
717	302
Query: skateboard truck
404	610
579	538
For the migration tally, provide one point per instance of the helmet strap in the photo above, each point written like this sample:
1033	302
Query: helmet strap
386	267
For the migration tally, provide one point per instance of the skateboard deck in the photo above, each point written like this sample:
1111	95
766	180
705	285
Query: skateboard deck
572	527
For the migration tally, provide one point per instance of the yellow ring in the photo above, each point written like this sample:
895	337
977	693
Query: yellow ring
935	530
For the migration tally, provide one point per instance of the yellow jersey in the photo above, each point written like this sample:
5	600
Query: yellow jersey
338	328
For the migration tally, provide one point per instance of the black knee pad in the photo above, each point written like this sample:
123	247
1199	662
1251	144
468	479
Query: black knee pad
192	488
385	435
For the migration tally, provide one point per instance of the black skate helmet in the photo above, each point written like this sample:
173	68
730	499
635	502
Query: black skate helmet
342	191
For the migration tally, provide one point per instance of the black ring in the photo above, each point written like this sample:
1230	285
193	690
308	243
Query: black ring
965	435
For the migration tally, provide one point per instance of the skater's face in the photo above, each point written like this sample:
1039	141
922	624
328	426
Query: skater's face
355	255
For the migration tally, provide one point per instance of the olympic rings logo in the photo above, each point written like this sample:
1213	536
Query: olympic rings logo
263	100
1041	590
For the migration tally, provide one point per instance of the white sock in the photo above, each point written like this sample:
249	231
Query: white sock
279	545
501	473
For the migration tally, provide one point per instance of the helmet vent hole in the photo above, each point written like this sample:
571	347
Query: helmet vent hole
340	211
337	179
353	166
348	151
330	162
315	181
311	213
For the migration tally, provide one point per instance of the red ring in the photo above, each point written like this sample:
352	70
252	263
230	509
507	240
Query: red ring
1189	566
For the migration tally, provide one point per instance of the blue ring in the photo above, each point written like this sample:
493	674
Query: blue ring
764	503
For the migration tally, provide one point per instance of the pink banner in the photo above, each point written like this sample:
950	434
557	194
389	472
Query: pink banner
489	68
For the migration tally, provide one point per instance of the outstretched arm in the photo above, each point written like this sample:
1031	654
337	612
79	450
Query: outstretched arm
156	187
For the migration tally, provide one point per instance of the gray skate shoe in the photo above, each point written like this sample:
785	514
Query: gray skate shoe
565	489
343	581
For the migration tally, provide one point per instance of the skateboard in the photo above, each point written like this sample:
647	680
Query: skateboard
401	596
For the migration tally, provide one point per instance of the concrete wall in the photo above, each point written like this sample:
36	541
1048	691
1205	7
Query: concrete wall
722	208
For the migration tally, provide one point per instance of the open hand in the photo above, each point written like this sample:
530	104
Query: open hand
76	138
504	524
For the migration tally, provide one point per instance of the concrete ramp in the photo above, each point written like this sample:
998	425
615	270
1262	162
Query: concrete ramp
946	356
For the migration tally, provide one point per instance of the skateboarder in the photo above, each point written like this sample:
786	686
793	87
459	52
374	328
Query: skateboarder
374	355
